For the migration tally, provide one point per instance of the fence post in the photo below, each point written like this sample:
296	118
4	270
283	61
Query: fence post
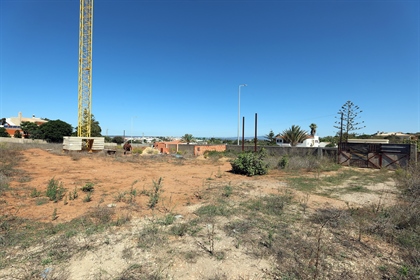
413	153
320	152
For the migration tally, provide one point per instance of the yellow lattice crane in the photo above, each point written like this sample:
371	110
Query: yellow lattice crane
84	139
85	69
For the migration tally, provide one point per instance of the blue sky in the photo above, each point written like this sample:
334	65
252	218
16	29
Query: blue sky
167	68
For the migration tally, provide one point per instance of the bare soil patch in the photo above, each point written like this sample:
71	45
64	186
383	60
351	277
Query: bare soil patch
183	179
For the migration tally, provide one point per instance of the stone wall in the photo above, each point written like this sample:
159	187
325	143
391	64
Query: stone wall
281	151
200	150
21	140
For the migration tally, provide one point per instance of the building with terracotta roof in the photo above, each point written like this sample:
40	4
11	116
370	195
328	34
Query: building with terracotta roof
13	124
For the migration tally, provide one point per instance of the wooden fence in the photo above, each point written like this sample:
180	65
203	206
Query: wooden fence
391	156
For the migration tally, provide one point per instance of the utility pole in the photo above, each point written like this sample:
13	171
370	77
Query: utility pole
341	128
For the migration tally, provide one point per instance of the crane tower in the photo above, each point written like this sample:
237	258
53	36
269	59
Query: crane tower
85	69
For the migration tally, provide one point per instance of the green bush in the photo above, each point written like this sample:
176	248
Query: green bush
250	163
284	161
55	190
3	132
118	139
17	134
88	187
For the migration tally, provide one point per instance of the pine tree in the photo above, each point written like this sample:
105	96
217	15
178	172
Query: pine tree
349	120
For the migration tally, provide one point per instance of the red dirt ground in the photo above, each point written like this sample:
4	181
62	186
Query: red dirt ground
182	180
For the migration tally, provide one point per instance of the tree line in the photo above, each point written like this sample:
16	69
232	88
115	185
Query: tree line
52	131
347	123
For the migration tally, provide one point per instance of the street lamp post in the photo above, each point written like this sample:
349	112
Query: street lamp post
239	108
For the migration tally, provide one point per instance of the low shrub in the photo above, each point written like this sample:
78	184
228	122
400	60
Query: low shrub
408	180
150	151
308	163
283	162
250	164
88	187
213	154
155	193
168	220
179	229
55	190
88	197
137	151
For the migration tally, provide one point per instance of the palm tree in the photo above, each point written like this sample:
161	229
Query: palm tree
294	135
188	138
313	129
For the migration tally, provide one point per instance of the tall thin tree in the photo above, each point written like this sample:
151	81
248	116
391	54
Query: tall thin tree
349	120
313	128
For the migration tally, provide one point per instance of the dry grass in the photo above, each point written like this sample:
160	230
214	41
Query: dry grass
280	230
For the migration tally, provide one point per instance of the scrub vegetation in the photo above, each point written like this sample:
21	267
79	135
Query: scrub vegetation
232	227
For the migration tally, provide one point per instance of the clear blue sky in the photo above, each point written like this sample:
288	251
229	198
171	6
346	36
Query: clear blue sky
173	67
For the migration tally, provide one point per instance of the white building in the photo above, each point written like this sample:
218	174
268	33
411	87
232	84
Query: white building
310	141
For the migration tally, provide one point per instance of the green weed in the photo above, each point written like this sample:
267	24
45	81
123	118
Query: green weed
35	193
155	193
169	219
179	229
73	194
54	215
41	201
120	196
227	191
88	187
88	197
55	190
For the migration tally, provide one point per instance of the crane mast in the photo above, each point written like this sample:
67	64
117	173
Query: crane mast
85	69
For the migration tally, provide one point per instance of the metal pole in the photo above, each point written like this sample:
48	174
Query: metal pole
341	139
243	133
239	108
255	139
341	128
